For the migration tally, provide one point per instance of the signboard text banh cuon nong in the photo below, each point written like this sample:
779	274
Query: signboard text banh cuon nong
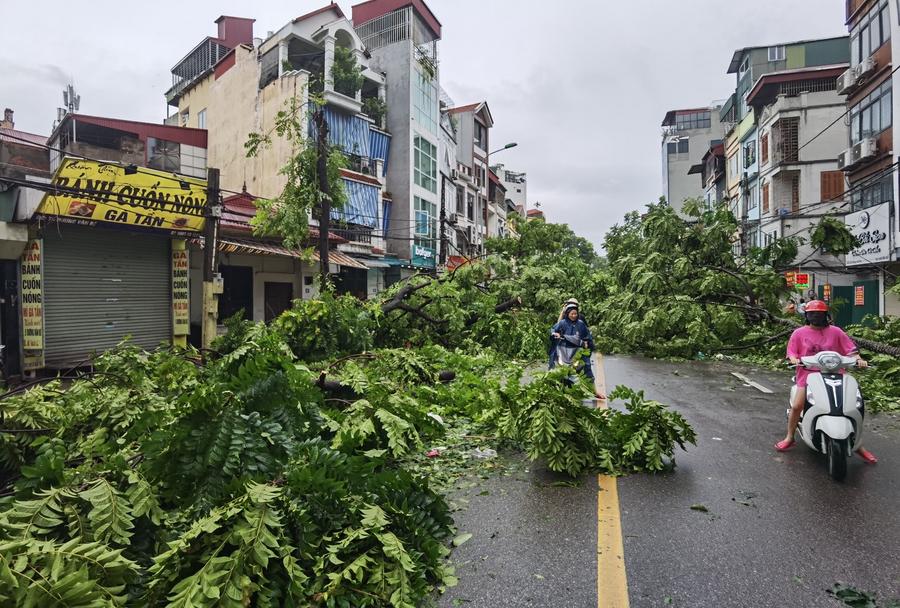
93	192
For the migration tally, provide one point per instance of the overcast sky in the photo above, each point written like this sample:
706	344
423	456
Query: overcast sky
581	85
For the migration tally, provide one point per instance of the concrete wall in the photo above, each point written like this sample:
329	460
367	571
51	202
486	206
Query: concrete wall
396	61
266	268
236	108
677	184
196	99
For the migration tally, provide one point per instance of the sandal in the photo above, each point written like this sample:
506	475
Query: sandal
866	455
784	445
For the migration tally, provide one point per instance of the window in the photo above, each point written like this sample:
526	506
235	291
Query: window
460	205
683	145
425	101
832	185
749	154
882	191
752	200
692	120
795	193
201	119
185	116
776	53
481	136
870	32
672	147
745	67
163	155
764	148
765	198
425	163
873	114
426	223
788	140
733	165
470	206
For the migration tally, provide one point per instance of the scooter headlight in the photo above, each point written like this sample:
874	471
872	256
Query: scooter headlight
859	400
809	396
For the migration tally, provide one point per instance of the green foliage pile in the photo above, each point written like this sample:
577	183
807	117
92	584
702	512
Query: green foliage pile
548	417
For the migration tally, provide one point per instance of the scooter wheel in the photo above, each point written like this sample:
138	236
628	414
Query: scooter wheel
836	454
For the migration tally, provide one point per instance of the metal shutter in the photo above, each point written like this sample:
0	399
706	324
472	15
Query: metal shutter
101	286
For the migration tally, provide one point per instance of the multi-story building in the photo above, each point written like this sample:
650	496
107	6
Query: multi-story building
241	90
516	184
401	38
799	123
869	159
474	122
711	170
741	140
686	136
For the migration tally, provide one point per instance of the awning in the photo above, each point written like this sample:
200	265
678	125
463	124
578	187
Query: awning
375	263
241	246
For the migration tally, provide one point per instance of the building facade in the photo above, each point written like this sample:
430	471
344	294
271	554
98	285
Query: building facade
686	136
402	41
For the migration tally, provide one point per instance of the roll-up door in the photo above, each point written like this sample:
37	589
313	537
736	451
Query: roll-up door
101	286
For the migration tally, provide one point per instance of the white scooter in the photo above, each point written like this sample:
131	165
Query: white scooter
832	419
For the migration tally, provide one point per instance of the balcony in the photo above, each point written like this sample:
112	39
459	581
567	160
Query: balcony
196	64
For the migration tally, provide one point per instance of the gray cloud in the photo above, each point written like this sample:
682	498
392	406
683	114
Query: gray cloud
581	85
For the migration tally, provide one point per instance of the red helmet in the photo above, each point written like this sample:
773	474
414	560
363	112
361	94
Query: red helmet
816	306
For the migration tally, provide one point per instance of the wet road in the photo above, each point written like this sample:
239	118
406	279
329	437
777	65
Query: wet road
776	530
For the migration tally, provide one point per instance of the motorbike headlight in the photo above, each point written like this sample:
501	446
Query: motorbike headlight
809	396
859	400
830	362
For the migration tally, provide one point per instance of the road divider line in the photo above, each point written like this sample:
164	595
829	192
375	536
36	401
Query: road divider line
612	580
750	382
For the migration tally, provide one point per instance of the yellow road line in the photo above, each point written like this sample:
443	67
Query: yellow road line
612	581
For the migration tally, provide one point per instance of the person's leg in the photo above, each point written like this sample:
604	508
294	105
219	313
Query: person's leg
793	418
867	455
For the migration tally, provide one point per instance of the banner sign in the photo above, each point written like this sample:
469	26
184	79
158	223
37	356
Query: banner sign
860	293
181	312
99	192
32	304
423	256
826	292
801	280
871	227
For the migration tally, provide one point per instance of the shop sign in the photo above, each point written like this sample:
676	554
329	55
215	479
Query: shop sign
871	227
789	277
826	292
181	311
32	304
860	295
423	256
146	200
801	280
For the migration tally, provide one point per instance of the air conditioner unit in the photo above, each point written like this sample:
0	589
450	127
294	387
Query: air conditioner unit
454	174
452	219
865	67
844	159
864	149
846	82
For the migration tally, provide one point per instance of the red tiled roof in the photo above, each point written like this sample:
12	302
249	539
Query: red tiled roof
239	208
318	11
15	136
460	109
182	135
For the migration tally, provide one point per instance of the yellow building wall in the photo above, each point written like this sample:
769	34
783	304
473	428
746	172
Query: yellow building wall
236	108
194	101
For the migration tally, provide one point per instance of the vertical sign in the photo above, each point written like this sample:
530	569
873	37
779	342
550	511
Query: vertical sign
860	292
32	304
826	292
181	325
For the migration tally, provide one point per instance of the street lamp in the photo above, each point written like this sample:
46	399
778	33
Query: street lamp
506	147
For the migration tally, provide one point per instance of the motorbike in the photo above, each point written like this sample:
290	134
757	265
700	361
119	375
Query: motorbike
832	418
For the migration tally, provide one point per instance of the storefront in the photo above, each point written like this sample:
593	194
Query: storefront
107	262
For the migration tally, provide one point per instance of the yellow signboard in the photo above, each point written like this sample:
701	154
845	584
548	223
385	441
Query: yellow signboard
92	192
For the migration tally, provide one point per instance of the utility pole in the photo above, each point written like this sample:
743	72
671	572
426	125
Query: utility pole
211	288
443	228
325	192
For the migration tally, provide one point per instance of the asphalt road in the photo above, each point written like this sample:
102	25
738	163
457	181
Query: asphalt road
776	530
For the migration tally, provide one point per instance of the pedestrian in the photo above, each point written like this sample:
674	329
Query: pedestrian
816	336
801	308
791	308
